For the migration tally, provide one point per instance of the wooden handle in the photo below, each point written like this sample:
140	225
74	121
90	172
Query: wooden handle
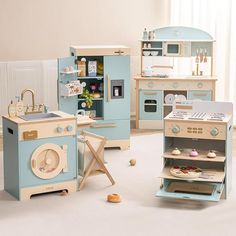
108	89
150	93
119	52
34	164
107	125
199	94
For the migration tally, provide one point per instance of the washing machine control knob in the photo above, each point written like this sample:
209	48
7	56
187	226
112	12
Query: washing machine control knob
59	129
69	128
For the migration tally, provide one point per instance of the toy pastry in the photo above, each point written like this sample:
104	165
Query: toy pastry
193	153
186	172
132	162
176	152
211	154
114	198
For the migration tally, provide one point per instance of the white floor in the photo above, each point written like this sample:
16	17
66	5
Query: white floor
141	213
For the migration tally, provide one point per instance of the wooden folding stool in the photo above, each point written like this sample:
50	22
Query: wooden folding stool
92	146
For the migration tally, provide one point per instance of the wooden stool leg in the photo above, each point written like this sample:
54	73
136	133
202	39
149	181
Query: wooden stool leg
87	173
100	162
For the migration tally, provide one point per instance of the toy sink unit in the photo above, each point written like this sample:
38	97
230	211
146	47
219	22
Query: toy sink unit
39	116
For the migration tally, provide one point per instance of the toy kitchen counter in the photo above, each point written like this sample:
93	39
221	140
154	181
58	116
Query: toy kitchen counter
40	153
156	95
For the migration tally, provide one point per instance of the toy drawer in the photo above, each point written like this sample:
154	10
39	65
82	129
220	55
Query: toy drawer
150	106
111	129
199	191
200	95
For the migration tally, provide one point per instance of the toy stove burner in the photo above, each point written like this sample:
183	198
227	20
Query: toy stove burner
198	116
217	116
179	115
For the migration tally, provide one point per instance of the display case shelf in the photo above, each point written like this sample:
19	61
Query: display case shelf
208	175
94	99
90	77
220	157
70	72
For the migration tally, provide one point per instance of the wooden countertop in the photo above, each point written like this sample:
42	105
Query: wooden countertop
183	78
20	121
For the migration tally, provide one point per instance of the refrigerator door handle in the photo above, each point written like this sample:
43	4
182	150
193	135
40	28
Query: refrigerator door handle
108	89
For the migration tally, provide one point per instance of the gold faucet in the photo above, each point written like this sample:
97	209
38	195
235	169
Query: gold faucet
34	108
33	95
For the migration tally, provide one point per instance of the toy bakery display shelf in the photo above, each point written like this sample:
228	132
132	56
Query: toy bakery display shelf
203	126
208	175
220	157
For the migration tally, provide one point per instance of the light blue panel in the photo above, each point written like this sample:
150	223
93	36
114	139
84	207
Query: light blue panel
117	68
228	153
215	197
26	148
182	33
200	95
144	110
10	158
120	131
66	104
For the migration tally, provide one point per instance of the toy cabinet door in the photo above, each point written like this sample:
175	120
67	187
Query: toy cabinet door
150	106
207	191
116	87
200	95
66	104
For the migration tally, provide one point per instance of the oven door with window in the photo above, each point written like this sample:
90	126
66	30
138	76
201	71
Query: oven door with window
150	104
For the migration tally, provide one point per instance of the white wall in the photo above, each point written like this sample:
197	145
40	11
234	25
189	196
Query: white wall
36	30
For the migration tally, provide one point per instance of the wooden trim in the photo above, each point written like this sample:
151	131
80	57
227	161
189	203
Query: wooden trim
26	193
137	104
104	125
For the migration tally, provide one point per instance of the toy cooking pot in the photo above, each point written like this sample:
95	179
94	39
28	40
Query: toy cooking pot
193	153
81	115
211	154
148	71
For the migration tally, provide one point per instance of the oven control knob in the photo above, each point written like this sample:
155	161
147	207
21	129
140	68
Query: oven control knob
59	129
214	131
176	129
69	128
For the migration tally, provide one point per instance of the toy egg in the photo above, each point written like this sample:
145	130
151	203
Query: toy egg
176	151
132	162
211	154
193	153
66	69
71	68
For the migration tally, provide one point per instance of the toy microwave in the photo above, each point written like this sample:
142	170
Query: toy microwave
181	49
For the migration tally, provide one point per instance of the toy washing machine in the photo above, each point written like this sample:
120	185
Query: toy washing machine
40	154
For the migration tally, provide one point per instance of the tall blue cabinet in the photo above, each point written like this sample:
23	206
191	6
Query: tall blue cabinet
110	85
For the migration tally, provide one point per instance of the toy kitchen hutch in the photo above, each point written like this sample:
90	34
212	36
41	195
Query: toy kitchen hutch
176	65
104	74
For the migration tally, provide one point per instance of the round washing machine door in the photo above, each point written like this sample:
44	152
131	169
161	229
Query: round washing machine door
48	160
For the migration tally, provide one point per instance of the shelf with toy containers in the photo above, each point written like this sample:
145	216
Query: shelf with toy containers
176	63
104	73
197	157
